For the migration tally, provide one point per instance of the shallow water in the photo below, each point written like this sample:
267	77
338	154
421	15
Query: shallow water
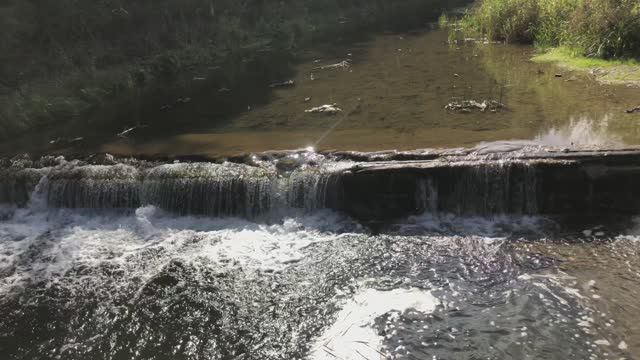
393	96
149	285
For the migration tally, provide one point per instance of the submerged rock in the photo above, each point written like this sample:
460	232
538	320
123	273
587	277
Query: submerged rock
633	110
325	109
467	106
341	65
62	142
288	83
131	131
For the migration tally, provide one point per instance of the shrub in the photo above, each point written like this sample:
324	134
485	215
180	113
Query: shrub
596	28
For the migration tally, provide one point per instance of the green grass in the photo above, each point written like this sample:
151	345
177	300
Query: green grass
607	29
443	21
613	71
575	60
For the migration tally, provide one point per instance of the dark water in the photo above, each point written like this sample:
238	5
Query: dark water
393	96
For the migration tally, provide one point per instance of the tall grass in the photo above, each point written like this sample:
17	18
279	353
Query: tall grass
594	28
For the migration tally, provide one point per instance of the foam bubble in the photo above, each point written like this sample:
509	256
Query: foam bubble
38	246
352	336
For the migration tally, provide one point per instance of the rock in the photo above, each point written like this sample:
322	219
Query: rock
61	142
50	161
103	159
289	163
325	109
307	99
602	342
130	131
288	83
466	106
341	65
21	161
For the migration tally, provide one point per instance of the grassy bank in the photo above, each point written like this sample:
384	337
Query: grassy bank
113	64
577	34
604	29
608	71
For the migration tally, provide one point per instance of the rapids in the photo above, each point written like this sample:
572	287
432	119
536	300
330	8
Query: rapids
152	285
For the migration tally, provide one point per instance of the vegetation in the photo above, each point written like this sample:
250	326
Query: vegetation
123	62
606	29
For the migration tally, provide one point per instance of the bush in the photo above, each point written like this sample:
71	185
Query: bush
596	28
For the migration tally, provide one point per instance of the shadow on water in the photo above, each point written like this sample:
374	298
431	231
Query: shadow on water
211	96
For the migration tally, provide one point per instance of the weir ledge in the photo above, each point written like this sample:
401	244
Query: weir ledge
369	186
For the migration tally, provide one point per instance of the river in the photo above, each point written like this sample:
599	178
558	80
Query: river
114	262
254	260
393	96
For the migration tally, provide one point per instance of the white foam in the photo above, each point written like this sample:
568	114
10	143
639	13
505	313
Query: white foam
352	336
497	226
57	241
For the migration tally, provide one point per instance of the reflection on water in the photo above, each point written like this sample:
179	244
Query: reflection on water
393	91
582	133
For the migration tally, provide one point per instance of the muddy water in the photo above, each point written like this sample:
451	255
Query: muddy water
393	96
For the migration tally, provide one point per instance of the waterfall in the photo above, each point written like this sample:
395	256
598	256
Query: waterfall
16	185
209	189
185	188
93	186
367	190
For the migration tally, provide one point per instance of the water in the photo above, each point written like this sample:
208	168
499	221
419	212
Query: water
147	260
78	284
393	96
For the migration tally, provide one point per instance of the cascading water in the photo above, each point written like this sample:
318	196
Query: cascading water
184	188
93	186
369	190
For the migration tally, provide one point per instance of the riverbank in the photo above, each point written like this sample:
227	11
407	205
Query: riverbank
598	36
612	72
